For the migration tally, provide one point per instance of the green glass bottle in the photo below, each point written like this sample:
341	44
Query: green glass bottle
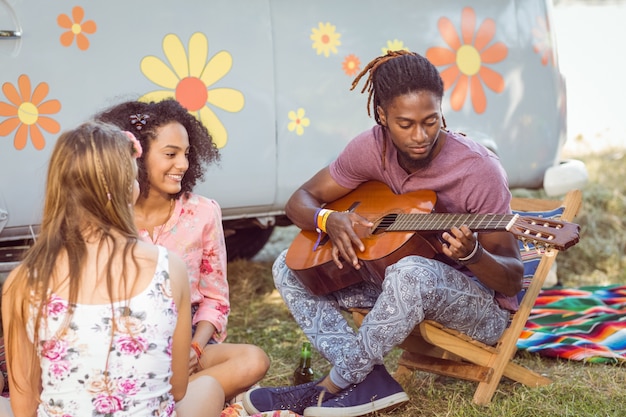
304	373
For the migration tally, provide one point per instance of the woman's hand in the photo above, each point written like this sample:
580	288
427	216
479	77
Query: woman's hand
194	362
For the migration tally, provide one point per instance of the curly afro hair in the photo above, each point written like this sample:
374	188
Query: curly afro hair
144	119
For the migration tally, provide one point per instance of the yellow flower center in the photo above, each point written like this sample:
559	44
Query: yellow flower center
28	113
76	29
192	93
468	60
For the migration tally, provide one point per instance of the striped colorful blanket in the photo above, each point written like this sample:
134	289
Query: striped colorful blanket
583	324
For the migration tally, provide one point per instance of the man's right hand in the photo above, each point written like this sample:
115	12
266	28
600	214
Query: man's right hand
346	231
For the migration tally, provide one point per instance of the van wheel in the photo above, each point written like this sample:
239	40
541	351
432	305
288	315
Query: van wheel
245	243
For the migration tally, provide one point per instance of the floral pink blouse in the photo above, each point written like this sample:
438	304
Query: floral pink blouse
85	373
194	232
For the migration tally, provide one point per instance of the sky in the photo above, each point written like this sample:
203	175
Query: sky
590	40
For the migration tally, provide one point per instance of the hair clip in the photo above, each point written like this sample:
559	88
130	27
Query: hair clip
137	150
139	120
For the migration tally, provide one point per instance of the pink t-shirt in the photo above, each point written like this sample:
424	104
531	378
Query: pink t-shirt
466	176
194	232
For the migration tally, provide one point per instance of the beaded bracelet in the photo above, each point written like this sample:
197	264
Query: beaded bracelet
196	347
474	255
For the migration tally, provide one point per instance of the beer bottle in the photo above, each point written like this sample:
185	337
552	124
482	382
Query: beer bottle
304	372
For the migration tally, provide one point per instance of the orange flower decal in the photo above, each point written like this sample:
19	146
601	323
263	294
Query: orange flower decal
25	111
466	61
351	64
76	29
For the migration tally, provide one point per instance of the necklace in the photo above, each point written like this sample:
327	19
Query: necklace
169	214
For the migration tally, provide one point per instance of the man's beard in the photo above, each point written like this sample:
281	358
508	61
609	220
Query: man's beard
411	164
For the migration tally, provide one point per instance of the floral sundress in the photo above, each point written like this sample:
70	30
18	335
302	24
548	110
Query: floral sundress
85	372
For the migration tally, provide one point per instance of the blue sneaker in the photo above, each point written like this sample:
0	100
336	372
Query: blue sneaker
293	398
379	391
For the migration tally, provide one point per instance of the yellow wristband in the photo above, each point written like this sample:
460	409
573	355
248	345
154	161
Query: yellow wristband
320	216
325	217
318	219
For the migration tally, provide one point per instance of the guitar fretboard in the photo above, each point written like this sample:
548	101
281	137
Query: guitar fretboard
440	222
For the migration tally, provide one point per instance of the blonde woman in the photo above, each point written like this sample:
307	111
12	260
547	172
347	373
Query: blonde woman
97	322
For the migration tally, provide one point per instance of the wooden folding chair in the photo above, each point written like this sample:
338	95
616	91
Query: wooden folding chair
434	348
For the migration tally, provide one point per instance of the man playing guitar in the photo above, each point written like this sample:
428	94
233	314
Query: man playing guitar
468	284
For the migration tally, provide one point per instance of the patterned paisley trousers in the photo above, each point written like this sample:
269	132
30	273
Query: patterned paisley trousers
414	289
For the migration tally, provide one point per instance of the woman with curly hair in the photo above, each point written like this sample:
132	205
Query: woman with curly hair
177	150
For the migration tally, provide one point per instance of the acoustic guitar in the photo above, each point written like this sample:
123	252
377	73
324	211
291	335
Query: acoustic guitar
405	224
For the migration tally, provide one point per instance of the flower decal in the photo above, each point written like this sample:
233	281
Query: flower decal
325	39
76	28
188	77
465	61
297	121
351	64
543	41
24	113
394	45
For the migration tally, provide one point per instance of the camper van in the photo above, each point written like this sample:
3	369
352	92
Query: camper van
271	80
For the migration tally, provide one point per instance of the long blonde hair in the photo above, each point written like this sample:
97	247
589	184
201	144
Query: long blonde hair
88	197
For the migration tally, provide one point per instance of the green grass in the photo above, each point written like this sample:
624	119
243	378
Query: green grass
600	256
579	389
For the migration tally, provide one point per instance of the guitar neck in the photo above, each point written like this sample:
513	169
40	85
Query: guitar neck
440	222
